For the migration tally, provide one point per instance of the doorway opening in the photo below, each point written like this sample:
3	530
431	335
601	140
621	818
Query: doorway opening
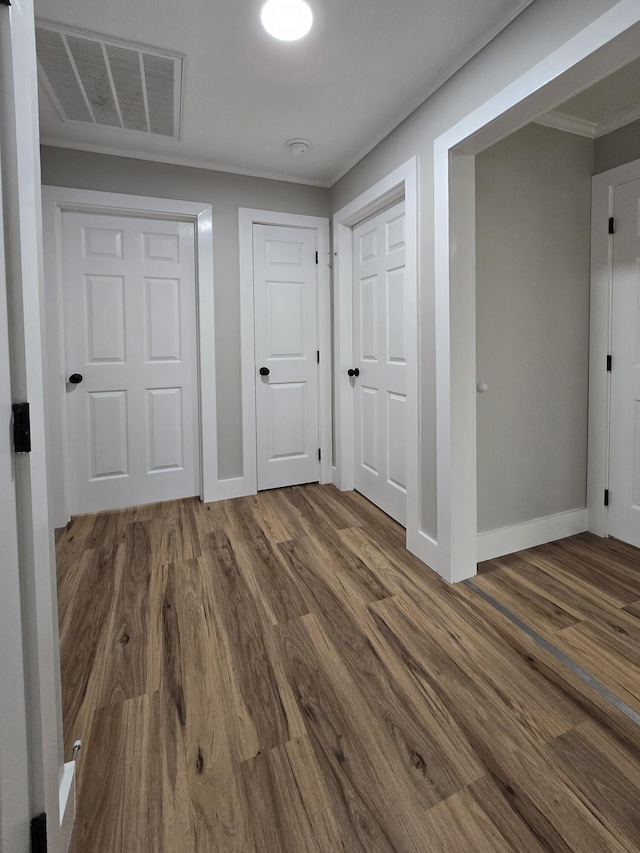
601	48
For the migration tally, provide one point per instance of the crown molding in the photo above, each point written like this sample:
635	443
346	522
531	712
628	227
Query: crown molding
570	124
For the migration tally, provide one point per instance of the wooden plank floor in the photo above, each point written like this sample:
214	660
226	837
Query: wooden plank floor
276	673
582	594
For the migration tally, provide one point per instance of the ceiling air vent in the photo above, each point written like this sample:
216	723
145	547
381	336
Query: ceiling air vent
93	79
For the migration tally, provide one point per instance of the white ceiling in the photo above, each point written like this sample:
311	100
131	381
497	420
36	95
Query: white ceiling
363	68
602	108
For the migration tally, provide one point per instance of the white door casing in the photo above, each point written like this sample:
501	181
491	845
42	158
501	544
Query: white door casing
51	785
130	332
286	334
57	201
249	217
624	432
380	389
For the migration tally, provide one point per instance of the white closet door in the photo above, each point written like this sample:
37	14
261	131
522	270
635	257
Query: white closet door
285	311
130	333
624	474
379	336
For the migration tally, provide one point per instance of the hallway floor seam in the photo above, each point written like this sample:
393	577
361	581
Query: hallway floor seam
564	659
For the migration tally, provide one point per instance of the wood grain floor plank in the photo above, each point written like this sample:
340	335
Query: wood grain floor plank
199	714
83	632
278	590
353	745
612	662
119	783
495	801
542	612
260	715
540	795
123	672
604	777
275	802
611	578
459	823
329	501
175	532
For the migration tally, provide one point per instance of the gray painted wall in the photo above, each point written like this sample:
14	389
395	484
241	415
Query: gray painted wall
617	148
540	29
532	319
226	193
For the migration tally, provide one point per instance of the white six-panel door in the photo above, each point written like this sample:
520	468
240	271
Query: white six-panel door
624	472
285	312
130	332
380	392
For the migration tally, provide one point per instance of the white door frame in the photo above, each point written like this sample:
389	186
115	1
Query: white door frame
248	217
51	783
55	200
14	768
399	184
602	47
602	198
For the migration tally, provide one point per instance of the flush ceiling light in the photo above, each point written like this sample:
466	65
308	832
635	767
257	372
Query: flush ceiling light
287	20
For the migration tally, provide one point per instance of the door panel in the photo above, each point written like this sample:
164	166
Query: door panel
285	310
130	330
379	347
624	474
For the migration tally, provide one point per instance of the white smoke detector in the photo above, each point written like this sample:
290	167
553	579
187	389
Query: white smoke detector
298	147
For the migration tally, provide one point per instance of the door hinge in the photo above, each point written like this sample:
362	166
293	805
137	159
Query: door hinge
21	428
39	834
318	356
612	225
606	497
319	455
316	257
609	363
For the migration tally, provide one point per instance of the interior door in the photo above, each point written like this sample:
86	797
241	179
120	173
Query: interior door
131	356
379	380
286	335
624	468
33	778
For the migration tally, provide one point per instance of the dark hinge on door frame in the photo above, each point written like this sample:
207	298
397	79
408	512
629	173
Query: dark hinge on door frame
609	363
21	428
316	257
318	356
319	455
612	225
39	834
606	497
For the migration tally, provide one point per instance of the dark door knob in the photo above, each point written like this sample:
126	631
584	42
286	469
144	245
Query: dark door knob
75	378
264	371
355	372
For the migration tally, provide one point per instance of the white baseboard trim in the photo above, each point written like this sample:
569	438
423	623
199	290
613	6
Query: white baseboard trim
507	540
424	547
232	488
